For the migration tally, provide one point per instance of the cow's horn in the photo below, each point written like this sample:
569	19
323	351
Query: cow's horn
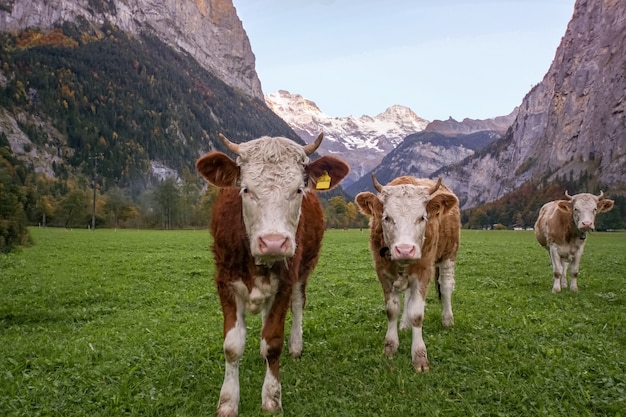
233	147
312	147
435	187
601	196
569	197
377	185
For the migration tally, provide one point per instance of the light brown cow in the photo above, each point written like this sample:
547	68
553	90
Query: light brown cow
267	229
414	234
562	228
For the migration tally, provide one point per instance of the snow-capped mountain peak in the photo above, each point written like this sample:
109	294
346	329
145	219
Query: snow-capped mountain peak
401	115
362	141
285	104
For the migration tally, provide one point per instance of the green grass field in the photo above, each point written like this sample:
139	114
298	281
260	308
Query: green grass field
127	323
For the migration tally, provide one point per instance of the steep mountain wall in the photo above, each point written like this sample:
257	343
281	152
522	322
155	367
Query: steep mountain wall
573	122
209	30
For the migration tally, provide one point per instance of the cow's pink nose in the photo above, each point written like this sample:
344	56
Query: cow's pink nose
586	225
273	244
404	251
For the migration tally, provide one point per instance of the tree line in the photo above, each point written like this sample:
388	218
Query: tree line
76	201
28	199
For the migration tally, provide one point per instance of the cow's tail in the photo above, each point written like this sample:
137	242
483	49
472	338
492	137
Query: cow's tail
437	282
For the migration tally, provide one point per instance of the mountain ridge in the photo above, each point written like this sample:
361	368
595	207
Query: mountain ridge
365	140
208	30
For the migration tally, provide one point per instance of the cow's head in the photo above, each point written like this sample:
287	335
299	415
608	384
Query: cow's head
584	207
273	174
403	211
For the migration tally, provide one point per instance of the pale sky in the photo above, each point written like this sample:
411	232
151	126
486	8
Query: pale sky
441	58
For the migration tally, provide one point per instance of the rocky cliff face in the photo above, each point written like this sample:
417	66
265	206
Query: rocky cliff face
208	30
573	122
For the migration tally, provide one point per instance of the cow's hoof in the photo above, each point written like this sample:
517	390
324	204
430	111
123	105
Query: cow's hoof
447	321
573	289
556	290
226	411
271	407
295	344
391	347
421	365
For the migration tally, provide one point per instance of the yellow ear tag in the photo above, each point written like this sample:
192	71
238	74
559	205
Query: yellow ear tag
323	182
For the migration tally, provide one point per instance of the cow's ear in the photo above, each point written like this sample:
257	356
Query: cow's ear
564	205
441	204
218	169
369	204
329	166
605	205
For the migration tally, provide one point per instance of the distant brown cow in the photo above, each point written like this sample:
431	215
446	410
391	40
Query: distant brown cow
562	228
414	231
267	231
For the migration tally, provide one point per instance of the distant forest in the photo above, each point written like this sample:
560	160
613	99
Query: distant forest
521	207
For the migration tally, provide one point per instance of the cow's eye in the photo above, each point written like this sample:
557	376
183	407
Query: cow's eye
387	218
300	191
245	190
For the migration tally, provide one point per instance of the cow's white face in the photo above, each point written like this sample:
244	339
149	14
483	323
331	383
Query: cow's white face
273	175
272	182
584	208
404	220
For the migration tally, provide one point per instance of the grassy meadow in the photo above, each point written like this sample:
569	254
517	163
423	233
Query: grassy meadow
128	323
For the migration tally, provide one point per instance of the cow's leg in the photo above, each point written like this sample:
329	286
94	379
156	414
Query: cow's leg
573	286
297	307
446	285
405	322
557	269
272	338
416	303
234	344
564	268
392	307
392	301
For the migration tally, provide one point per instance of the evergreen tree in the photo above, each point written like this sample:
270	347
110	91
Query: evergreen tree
167	197
13	230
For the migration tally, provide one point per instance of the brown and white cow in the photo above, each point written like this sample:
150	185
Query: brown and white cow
414	235
562	228
267	228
